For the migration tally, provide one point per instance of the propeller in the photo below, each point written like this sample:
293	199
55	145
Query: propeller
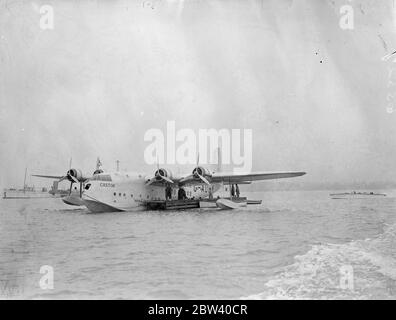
63	178
72	180
197	174
151	181
67	174
160	174
203	179
72	177
166	179
75	181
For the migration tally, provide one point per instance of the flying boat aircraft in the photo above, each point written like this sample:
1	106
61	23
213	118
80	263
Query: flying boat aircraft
131	191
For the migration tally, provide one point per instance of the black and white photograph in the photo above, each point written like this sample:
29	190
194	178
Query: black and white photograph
169	150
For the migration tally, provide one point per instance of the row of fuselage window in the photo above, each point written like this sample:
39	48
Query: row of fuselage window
120	194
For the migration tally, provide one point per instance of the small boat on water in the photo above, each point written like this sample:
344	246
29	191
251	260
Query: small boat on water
226	204
357	195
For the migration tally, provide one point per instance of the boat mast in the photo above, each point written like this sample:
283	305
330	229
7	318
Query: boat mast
24	181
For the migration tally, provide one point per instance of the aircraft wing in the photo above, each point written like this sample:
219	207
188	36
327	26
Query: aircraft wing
254	176
49	177
243	178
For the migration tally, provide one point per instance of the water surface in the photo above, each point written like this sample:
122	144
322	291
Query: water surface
295	245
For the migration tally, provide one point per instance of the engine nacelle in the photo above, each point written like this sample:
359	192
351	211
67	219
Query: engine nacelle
161	173
201	171
77	174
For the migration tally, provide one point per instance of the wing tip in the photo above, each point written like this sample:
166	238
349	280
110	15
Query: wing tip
299	174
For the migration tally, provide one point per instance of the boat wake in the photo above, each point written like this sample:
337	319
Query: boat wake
361	269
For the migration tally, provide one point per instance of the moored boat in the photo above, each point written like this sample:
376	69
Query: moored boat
357	195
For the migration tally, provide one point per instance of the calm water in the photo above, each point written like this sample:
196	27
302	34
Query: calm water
293	246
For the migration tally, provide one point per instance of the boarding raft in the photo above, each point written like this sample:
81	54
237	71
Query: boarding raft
192	203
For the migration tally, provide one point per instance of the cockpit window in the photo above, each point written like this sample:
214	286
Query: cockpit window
101	177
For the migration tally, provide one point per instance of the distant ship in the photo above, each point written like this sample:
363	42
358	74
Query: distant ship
30	192
25	193
356	195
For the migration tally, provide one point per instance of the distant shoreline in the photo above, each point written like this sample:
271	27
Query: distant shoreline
357	187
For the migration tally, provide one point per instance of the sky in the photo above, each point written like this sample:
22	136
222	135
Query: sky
315	95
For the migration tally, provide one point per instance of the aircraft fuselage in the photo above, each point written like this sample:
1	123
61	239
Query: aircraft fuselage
128	192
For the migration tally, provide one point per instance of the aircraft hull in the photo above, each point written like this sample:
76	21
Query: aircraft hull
99	207
73	200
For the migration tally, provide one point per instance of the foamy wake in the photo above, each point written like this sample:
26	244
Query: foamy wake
319	274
